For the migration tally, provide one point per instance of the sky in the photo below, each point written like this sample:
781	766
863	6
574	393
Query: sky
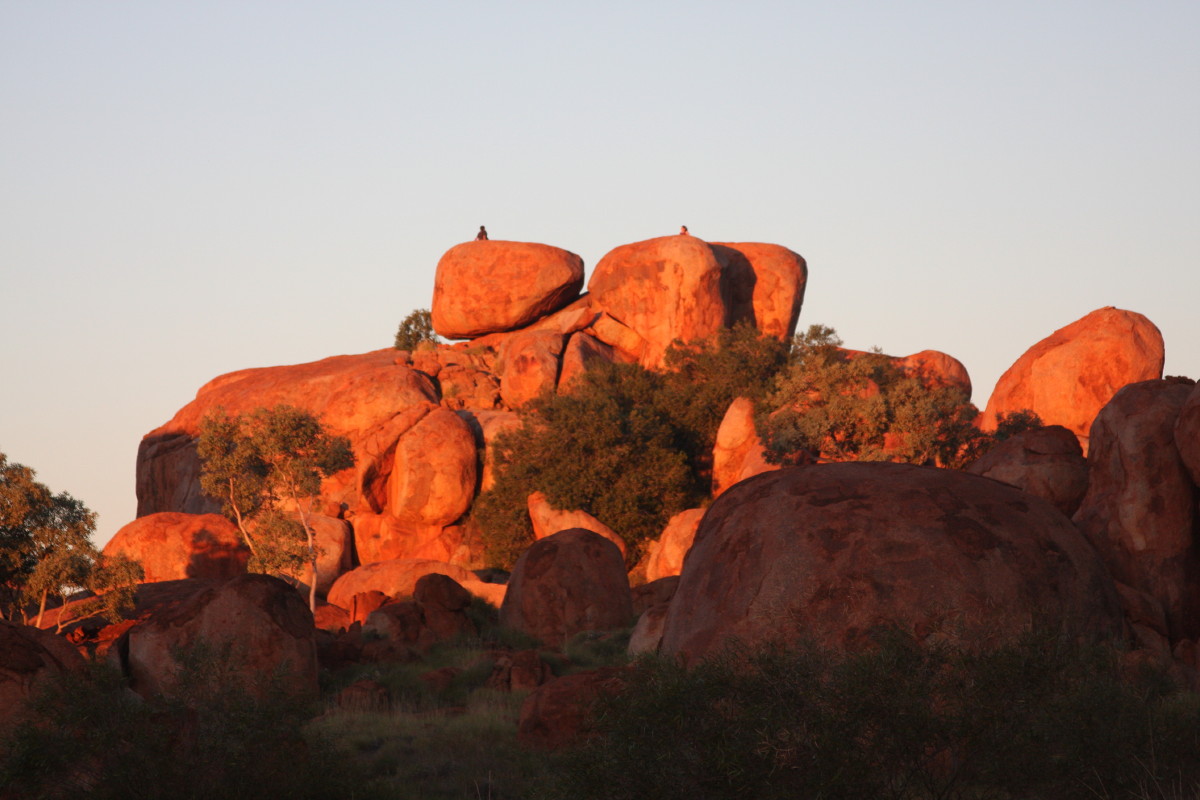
188	189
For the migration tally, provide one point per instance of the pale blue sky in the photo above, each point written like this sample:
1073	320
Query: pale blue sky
187	189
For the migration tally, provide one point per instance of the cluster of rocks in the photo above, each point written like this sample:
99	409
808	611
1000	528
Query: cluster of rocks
1089	522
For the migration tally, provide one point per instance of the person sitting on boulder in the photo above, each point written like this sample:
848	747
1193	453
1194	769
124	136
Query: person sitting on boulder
683	231
482	235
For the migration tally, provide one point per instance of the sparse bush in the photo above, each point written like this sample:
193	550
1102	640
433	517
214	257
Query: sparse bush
415	330
1044	717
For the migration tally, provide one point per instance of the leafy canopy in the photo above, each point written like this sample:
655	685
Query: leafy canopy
415	330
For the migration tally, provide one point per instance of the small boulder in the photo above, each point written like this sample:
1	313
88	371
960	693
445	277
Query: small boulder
548	520
172	546
555	714
1070	375
1047	462
648	631
569	582
738	452
665	556
487	286
28	658
395	578
581	354
528	364
467	387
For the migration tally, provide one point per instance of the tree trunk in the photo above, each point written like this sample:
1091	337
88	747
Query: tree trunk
42	609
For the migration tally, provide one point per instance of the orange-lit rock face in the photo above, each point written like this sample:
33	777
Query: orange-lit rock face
396	578
529	362
356	396
1140	506
172	546
830	551
738	452
1068	377
548	520
663	289
664	557
488	286
433	478
1046	462
764	285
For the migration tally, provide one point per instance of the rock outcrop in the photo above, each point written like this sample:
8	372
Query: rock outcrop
1140	507
831	552
173	546
555	715
1047	462
763	284
28	658
548	520
738	452
398	578
434	471
663	289
566	583
528	363
255	624
664	556
483	287
1187	434
1070	375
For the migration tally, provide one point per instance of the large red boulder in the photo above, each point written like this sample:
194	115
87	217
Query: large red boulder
738	452
487	286
831	552
572	581
173	546
1140	507
434	472
257	625
358	396
28	658
1047	462
1068	377
764	285
664	289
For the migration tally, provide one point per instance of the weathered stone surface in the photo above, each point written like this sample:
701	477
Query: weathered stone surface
28	657
436	613
548	520
1047	462
654	592
664	557
1068	377
936	368
487	286
266	627
528	365
554	715
1187	434
382	537
335	547
581	354
172	546
763	284
1140	507
829	552
664	289
433	478
569	582
648	631
738	452
353	396
626	343
467	387
398	579
487	425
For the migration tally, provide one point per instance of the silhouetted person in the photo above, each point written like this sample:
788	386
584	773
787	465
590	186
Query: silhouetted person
482	235
683	231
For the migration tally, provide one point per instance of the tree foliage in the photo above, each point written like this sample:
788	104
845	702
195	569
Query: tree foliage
266	468
416	329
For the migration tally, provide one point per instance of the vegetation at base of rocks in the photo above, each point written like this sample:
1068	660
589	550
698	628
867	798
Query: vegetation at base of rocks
415	331
629	446
1043	717
266	468
46	553
89	736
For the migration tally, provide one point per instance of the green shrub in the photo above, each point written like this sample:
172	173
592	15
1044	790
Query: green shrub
415	330
1043	717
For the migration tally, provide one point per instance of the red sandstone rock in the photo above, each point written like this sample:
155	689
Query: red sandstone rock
936	368
548	520
566	583
487	425
434	474
664	289
528	364
1068	377
664	557
1046	462
626	343
487	286
354	396
1140	507
554	715
581	353
398	578
648	631
29	657
830	552
654	592
1187	434
364	603
335	550
331	618
382	537
738	452
764	285
172	546
263	624
467	387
